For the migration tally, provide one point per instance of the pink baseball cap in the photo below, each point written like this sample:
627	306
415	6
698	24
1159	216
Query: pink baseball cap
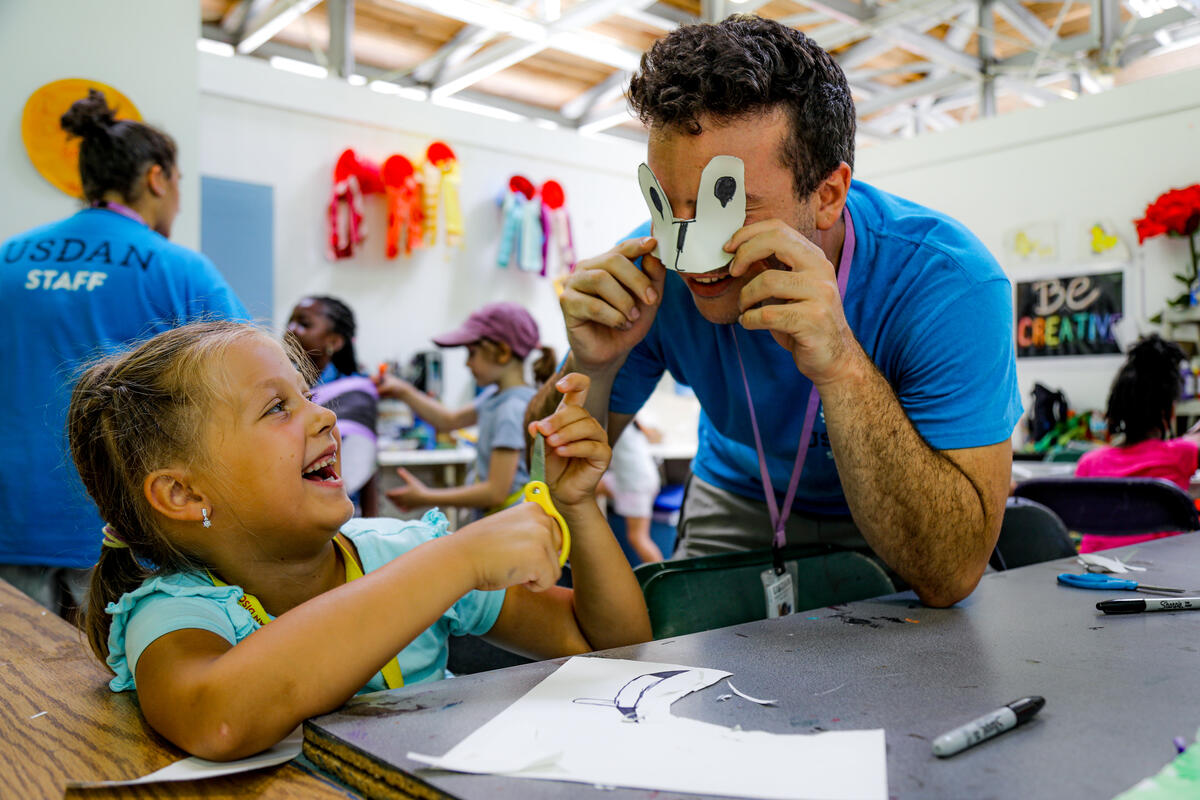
500	322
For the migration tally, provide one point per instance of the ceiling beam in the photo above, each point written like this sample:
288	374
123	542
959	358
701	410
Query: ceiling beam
660	15
910	91
233	21
901	12
598	96
538	35
495	59
263	27
602	120
846	11
1106	25
1024	21
341	38
874	46
931	48
461	46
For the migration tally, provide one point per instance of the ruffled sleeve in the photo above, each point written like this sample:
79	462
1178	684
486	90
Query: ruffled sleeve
165	604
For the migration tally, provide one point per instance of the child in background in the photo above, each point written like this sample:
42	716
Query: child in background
498	337
632	483
1141	406
230	591
324	327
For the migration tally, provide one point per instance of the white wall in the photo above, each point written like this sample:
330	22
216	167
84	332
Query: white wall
141	47
262	125
1098	157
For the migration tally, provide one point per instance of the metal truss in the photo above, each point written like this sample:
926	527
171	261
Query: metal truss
913	65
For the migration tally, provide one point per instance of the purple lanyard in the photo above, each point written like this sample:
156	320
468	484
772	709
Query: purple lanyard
779	516
117	208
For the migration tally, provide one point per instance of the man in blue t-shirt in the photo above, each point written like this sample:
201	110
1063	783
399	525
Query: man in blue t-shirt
907	341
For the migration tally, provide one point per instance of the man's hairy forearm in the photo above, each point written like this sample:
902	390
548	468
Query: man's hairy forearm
917	509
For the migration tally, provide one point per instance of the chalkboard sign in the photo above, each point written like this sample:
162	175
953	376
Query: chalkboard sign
1072	316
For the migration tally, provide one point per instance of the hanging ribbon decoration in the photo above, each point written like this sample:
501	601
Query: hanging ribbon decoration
352	179
529	253
404	204
557	227
441	179
520	193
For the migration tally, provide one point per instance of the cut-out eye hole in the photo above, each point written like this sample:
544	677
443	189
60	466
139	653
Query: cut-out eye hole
724	189
654	198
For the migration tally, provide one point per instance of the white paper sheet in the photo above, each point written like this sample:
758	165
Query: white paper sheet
195	769
578	725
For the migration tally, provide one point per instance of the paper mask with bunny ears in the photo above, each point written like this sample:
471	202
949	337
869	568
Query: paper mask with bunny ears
697	245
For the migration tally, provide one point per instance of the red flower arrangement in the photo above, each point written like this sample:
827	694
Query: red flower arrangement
1175	213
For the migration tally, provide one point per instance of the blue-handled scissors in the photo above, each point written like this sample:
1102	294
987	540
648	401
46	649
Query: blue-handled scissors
1093	580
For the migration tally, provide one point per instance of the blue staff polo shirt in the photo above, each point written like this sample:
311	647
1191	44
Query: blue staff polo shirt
71	291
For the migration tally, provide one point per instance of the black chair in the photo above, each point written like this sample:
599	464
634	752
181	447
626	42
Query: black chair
697	594
1114	506
1030	534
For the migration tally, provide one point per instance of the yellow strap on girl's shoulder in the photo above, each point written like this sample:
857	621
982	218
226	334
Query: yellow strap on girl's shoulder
349	558
393	677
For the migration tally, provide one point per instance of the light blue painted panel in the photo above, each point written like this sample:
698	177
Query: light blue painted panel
237	224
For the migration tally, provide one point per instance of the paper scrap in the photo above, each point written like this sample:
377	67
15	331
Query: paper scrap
608	722
194	769
1098	563
745	696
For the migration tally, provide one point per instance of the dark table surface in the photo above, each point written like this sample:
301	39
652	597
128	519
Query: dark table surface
1117	688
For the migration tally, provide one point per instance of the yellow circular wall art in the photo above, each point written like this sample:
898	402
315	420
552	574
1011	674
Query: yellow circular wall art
54	154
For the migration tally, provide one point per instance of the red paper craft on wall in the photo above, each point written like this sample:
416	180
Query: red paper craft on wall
405	216
353	178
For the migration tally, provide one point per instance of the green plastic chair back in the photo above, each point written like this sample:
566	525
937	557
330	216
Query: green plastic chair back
698	594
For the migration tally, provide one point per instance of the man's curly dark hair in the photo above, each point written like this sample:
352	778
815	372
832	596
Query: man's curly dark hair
748	65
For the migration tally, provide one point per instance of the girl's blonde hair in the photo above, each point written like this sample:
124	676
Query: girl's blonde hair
132	413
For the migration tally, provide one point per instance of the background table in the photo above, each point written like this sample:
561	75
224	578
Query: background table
1117	688
88	733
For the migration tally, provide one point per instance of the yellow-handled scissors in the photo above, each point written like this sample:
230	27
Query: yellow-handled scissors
536	491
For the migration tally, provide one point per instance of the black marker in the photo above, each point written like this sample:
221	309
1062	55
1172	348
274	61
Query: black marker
987	726
1137	606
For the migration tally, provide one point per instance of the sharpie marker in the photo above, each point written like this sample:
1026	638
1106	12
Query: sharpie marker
1138	606
987	726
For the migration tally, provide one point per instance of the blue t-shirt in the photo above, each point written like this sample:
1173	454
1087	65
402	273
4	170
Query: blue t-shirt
927	302
70	291
190	601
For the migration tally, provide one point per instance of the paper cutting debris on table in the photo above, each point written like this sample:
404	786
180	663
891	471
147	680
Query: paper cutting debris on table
608	721
194	769
743	695
1098	563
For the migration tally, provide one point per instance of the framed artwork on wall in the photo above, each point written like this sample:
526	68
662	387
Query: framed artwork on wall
1070	316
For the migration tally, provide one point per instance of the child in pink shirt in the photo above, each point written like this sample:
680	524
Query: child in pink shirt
1141	405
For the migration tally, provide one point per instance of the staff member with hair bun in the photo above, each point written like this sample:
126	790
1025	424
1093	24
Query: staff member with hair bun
72	290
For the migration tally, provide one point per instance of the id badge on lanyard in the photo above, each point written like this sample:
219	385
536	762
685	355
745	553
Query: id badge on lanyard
779	585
